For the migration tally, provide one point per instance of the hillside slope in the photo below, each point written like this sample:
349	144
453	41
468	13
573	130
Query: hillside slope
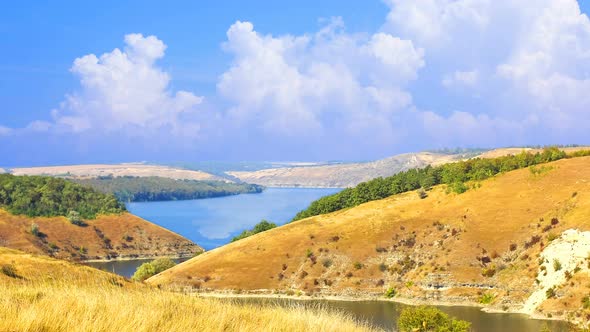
44	294
342	175
106	237
487	245
115	170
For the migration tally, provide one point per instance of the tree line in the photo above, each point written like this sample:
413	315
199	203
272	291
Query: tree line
454	175
145	189
43	196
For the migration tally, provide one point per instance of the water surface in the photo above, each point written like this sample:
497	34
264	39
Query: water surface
385	314
212	222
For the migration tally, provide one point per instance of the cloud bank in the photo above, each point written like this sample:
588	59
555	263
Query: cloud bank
438	73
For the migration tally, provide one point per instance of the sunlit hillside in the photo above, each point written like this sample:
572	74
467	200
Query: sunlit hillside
494	245
108	236
44	294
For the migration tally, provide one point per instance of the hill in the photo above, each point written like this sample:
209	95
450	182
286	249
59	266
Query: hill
144	189
116	170
342	175
517	242
44	294
114	236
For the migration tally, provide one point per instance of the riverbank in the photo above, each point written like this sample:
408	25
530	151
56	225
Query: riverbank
264	294
140	258
383	313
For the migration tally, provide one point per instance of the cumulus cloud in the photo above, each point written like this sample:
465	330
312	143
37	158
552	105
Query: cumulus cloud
438	73
530	63
124	89
313	83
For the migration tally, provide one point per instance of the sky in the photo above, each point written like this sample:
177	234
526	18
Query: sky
299	80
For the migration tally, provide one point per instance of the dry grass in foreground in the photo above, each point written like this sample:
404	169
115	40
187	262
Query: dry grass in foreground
92	300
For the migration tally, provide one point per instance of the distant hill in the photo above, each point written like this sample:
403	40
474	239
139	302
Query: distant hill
116	170
519	241
153	188
343	175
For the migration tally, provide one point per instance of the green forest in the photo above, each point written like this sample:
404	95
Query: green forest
145	189
42	196
454	175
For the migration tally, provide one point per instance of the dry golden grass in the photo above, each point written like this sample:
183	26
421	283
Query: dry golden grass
51	295
452	234
125	234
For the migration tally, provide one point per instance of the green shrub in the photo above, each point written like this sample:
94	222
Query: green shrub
586	302
149	269
327	262
35	229
556	265
486	298
390	293
358	265
262	226
9	270
422	193
423	319
550	293
75	219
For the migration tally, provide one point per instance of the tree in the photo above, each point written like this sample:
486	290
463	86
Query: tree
262	226
429	319
150	269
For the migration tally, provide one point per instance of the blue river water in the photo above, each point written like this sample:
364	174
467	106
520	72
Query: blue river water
212	222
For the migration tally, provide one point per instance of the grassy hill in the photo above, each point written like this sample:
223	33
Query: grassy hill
44	294
106	237
495	245
40	214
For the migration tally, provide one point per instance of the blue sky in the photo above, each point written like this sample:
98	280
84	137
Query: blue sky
289	80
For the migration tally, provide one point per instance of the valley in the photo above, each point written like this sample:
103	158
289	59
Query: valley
484	247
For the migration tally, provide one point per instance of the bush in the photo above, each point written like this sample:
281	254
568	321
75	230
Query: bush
327	262
9	270
358	265
586	302
35	230
556	265
422	193
149	269
424	319
390	293
75	219
486	298
550	293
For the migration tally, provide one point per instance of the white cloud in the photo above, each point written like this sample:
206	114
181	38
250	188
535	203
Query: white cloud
513	71
124	89
304	84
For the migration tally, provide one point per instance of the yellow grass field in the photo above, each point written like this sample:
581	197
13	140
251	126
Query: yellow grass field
51	295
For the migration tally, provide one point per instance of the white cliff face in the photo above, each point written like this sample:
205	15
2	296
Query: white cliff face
571	250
